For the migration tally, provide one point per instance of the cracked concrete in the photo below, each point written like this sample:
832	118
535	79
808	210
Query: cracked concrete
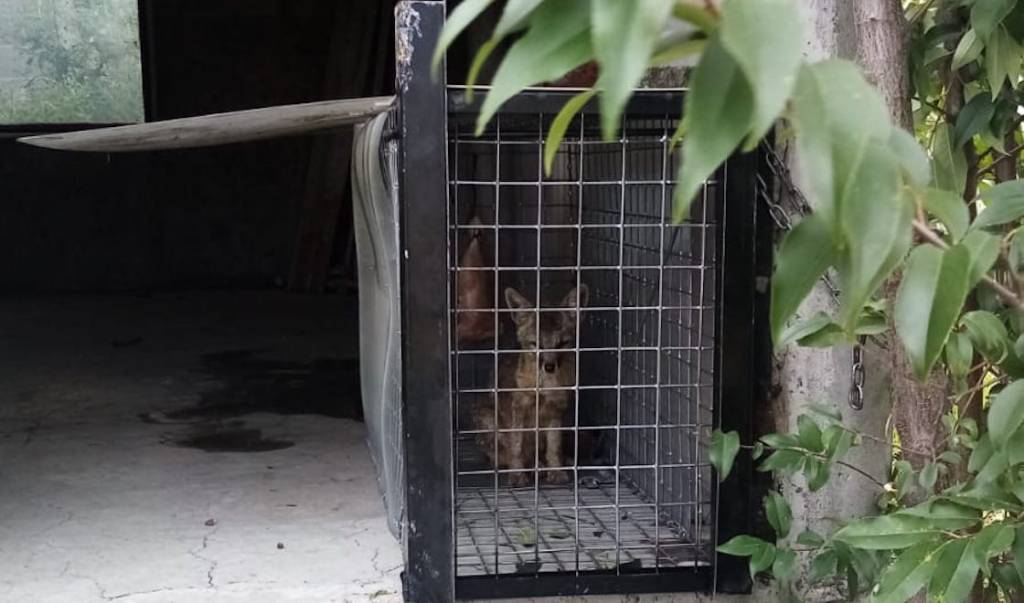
97	505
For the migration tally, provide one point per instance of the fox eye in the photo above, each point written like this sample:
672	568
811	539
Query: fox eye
566	342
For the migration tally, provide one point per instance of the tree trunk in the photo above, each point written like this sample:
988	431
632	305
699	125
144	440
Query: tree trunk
882	52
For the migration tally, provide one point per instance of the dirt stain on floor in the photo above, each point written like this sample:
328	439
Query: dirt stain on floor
255	384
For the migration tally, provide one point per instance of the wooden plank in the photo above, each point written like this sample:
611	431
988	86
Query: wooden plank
218	128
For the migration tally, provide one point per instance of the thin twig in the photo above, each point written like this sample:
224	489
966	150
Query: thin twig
1002	157
861	472
949	117
1006	295
886	442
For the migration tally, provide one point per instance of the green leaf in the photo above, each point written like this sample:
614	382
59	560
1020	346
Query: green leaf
784	565
956	569
1003	203
968	50
460	18
479	60
916	164
996	466
762	559
1018	553
837	442
804	328
514	16
780	440
950	209
804	255
959	354
823	566
624	34
1005	576
949	165
973	119
987	15
875	224
929	301
722	452
951	457
699	17
677	52
560	124
758	450
742	546
817	473
810	538
810	434
929	475
719	110
943	514
784	461
886	532
994	539
1015	257
761	553
1006	414
903	479
766	39
908	574
557	41
1002	60
987	333
826	337
985	497
836	115
981	454
778	513
984	249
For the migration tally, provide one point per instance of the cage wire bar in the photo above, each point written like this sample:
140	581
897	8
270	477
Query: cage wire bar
650	334
638	497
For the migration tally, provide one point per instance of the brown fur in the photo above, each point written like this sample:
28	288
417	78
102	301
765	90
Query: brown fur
474	291
545	369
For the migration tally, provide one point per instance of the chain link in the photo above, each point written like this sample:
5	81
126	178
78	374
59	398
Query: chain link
787	192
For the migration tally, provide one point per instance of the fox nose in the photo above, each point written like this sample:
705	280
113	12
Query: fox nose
549	367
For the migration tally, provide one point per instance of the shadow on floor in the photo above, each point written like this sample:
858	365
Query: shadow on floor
251	384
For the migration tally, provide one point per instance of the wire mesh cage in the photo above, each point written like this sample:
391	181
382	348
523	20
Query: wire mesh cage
568	346
581	434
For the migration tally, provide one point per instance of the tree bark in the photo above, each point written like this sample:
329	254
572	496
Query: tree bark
882	53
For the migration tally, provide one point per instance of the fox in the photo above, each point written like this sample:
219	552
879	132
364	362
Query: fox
553	366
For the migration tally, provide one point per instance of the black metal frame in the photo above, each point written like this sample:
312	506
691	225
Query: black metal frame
742	364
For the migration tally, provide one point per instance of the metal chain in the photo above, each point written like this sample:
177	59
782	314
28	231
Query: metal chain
788	191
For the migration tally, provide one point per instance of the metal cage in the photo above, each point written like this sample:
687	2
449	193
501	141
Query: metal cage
563	448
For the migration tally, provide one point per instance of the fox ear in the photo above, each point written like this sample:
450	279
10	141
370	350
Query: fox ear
516	301
577	298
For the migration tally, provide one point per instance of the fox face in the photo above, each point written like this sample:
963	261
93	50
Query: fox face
549	332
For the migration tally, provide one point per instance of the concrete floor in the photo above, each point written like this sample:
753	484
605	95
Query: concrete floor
159	449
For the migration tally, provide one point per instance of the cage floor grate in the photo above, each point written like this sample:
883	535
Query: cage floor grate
527	531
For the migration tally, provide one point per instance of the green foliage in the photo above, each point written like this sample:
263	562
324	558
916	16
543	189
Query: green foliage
624	34
931	295
82	64
872	186
722	452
